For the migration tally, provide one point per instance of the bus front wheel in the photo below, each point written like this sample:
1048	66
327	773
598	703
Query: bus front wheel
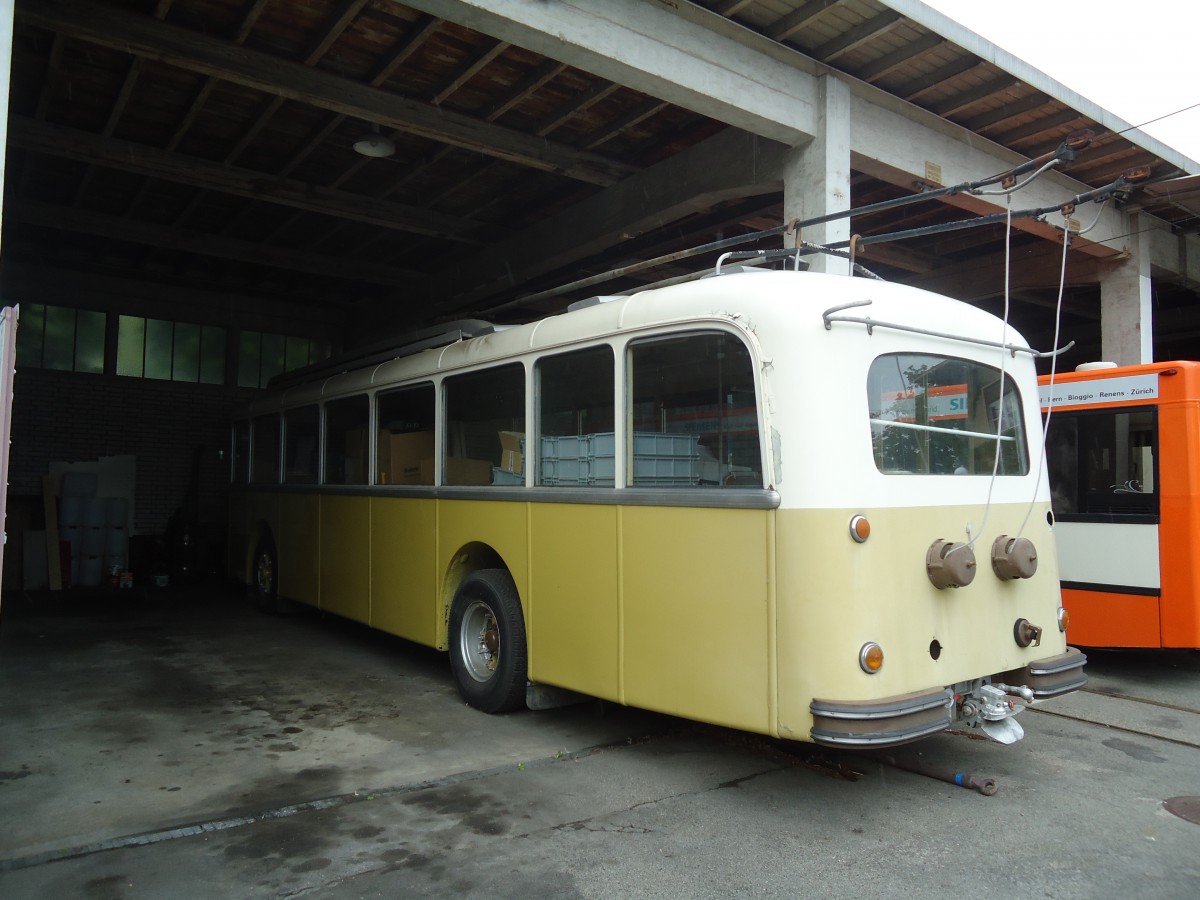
266	573
487	642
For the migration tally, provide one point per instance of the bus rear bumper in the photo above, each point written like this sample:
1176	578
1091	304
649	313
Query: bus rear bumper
887	722
1051	676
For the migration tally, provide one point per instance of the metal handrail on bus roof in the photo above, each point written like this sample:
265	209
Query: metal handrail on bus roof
829	318
407	345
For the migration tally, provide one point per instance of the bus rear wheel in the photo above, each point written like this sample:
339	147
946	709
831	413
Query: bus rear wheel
488	654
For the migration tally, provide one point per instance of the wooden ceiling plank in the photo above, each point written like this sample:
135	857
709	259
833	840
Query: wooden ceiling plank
794	21
860	34
556	119
412	42
889	62
334	31
476	65
539	78
1005	112
638	114
253	130
425	28
144	36
127	86
962	99
142	159
731	7
315	140
53	66
249	20
938	76
1038	126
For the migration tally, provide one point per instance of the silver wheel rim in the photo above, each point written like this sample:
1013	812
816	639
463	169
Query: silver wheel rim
479	641
264	574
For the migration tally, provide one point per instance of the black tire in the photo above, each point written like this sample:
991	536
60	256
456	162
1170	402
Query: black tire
265	585
488	652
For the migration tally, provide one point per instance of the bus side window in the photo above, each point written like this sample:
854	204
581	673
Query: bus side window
1062	463
479	406
346	424
405	436
576	443
300	428
1101	463
694	413
264	464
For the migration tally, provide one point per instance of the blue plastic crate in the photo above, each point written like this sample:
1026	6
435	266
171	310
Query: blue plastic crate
503	476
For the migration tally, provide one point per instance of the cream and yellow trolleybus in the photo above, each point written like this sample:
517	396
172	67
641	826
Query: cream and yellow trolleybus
802	505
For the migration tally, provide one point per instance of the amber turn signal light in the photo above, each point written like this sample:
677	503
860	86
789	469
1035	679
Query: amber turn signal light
870	657
860	528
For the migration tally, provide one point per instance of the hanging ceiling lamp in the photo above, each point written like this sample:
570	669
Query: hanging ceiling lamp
374	144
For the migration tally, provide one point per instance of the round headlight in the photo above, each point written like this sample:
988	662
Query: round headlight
1064	619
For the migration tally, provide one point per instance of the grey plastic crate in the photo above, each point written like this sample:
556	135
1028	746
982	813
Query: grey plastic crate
568	459
664	470
665	460
654	444
658	459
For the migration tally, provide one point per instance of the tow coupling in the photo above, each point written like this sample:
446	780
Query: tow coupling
991	707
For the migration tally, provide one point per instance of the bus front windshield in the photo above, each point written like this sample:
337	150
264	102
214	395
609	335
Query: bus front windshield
938	415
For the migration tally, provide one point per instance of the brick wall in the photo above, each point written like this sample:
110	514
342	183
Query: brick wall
74	417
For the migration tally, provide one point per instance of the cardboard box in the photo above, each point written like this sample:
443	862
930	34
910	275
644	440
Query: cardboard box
406	453
459	470
511	451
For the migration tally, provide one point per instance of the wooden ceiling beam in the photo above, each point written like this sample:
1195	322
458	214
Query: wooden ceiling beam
164	237
147	37
56	140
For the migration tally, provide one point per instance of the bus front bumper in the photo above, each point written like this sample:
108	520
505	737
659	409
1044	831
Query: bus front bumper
1051	676
887	722
890	721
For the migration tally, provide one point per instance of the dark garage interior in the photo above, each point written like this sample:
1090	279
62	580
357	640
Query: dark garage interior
196	201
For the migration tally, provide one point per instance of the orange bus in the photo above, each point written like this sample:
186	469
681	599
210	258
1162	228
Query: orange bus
1123	451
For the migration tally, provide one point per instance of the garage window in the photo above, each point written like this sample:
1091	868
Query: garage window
170	351
55	337
262	356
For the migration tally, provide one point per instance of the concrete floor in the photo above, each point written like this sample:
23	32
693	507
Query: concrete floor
177	743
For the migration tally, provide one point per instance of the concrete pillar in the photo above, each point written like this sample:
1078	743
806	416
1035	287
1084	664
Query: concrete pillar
1126	316
816	175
